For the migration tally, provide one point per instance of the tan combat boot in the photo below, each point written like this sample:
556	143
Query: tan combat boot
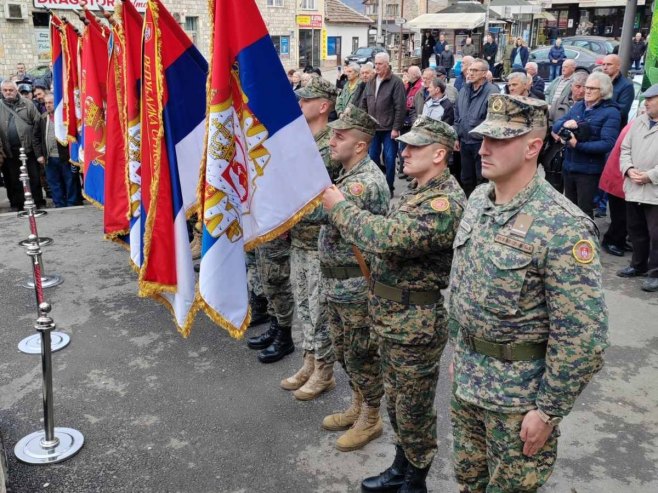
196	242
344	419
366	428
302	375
321	380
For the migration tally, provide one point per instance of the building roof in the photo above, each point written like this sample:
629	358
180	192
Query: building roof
507	3
471	7
336	12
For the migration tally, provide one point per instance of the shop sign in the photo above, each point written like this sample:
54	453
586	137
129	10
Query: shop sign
312	20
91	4
323	44
42	39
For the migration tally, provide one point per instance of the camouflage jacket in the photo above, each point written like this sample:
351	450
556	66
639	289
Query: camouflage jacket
411	248
365	187
305	233
528	270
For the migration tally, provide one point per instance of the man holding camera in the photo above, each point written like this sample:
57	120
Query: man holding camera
589	131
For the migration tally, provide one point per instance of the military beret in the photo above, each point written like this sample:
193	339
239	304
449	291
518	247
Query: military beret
318	87
354	117
511	116
427	131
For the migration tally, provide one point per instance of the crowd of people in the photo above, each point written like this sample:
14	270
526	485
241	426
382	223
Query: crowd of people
518	254
27	121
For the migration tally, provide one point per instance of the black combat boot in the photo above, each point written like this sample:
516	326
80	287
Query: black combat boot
281	346
392	478
258	306
414	480
266	338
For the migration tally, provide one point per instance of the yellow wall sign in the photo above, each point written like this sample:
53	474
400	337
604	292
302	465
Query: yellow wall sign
312	21
323	43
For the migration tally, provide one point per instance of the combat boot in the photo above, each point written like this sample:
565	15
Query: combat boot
302	375
366	428
321	380
344	419
392	478
414	480
281	346
258	305
266	338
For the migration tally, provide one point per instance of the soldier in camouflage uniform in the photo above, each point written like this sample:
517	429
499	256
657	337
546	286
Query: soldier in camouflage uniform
345	286
412	249
528	319
317	100
257	299
273	260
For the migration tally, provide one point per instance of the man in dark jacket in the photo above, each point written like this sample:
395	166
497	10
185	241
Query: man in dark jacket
470	111
556	56
594	127
489	51
637	50
623	91
538	84
64	185
439	46
384	99
18	116
427	49
519	55
447	60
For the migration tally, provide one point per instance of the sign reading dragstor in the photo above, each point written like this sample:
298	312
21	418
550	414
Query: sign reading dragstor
91	4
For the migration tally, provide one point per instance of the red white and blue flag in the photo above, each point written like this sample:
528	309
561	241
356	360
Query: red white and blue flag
173	127
57	57
262	171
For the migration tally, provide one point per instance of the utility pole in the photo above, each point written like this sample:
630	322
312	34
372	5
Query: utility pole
401	47
380	14
627	36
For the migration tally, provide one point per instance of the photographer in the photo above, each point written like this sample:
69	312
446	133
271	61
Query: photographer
589	131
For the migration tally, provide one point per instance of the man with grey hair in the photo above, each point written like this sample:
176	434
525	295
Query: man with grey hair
470	111
352	90
385	100
460	80
560	87
18	118
518	84
589	130
367	72
538	85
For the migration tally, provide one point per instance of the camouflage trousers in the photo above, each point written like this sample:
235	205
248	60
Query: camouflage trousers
411	373
356	348
273	260
488	452
253	277
311	305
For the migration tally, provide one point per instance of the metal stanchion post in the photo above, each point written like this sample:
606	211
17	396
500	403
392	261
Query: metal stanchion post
26	187
47	280
32	344
52	444
29	205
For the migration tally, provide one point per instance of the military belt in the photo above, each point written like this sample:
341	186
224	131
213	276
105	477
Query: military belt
340	273
403	295
512	351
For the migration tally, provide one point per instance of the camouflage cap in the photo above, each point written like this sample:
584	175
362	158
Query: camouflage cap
318	87
427	131
511	116
354	117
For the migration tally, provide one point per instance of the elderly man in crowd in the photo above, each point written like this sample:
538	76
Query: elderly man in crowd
518	84
638	165
438	106
637	50
538	85
590	130
623	92
560	86
470	111
18	117
385	100
352	90
461	79
451	92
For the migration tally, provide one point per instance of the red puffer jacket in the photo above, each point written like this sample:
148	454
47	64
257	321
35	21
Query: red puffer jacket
611	179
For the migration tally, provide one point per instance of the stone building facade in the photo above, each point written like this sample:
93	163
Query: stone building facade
296	26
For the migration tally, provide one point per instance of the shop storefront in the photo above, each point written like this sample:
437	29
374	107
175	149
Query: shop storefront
310	39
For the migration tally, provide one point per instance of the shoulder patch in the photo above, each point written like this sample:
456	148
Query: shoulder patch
583	251
357	189
440	204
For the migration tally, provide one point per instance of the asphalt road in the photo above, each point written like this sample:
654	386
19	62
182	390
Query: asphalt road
166	414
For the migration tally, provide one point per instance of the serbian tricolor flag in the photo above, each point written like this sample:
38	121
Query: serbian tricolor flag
72	108
173	126
132	64
262	171
115	212
57	58
94	96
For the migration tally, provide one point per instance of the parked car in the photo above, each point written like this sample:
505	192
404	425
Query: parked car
598	44
586	60
364	54
39	72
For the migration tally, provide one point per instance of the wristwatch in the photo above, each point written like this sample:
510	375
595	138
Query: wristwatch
549	420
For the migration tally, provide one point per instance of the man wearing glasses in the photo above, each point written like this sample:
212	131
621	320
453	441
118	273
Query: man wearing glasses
470	111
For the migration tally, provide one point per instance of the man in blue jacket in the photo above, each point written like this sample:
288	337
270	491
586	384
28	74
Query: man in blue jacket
623	91
470	111
556	56
593	126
